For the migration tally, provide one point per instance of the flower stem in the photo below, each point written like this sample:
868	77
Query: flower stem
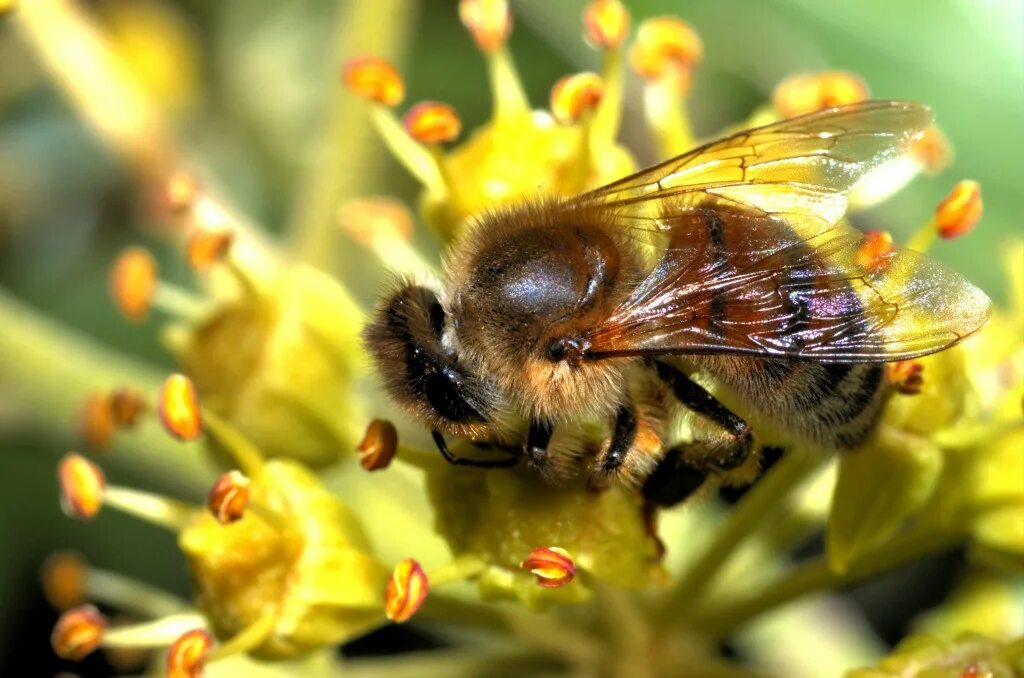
815	575
747	516
346	164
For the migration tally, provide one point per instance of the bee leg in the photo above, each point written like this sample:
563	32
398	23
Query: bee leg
623	436
442	447
674	479
537	439
695	397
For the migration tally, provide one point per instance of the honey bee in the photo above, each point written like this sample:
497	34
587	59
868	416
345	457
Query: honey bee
729	262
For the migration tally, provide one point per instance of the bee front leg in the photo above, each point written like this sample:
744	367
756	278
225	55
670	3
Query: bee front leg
623	436
442	447
736	449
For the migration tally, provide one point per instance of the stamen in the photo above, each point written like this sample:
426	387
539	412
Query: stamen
606	26
374	79
553	566
959	211
133	282
806	93
153	508
126	406
245	453
159	633
490	22
433	123
933	150
905	376
187	655
78	632
229	497
82	486
406	590
665	54
178	408
413	155
574	99
378	446
383	226
180	193
247	639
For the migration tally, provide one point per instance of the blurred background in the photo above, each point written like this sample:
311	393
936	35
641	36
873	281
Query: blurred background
247	87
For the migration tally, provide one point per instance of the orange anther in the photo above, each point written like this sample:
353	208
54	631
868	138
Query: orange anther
207	246
363	219
378	446
488	21
63	577
906	376
126	406
187	655
605	23
875	251
431	122
406	591
180	192
78	632
97	423
552	566
664	44
374	79
933	150
229	497
82	484
575	95
807	93
959	211
132	282
178	408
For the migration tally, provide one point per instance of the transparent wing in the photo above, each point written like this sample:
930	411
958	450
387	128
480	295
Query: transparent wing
755	262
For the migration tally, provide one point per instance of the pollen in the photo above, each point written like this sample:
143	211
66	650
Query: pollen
806	93
378	446
82	485
488	21
605	24
132	282
959	211
553	566
78	632
229	497
906	376
406	590
178	408
875	252
575	96
374	79
665	43
207	246
431	122
187	655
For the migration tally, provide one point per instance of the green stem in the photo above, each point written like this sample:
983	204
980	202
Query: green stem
348	163
815	575
48	371
756	507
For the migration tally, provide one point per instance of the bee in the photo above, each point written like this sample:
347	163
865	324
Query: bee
730	262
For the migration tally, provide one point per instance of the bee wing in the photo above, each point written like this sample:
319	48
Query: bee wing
756	262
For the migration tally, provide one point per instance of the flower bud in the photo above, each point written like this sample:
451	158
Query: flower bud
187	655
430	122
374	79
132	282
229	497
488	21
406	590
82	484
378	446
575	95
959	211
178	408
78	632
605	23
806	93
552	566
